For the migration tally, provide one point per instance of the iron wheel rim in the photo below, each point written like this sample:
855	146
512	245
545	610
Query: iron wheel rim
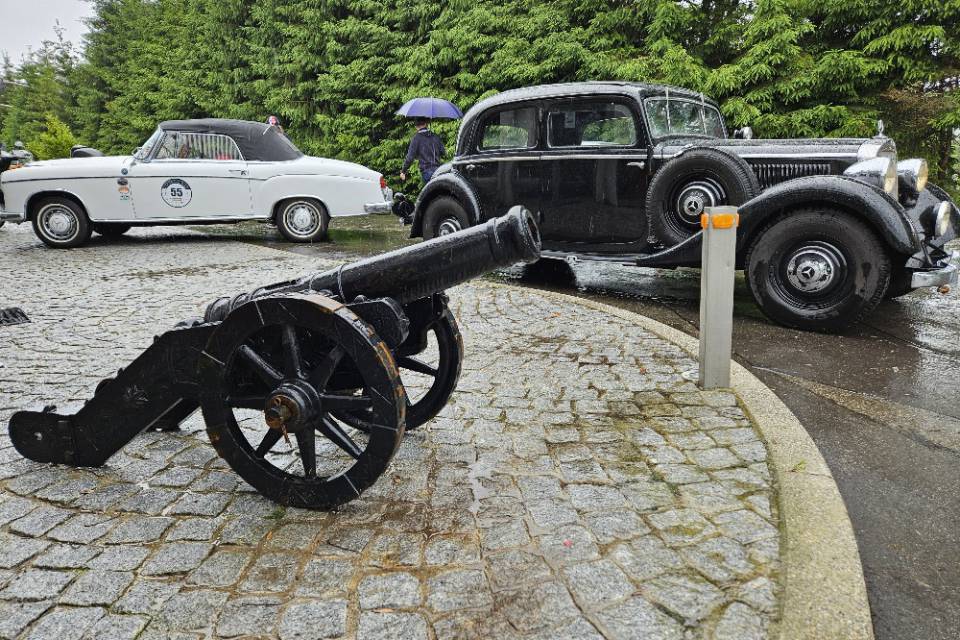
341	471
445	373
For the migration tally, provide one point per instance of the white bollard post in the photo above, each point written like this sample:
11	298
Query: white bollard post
716	294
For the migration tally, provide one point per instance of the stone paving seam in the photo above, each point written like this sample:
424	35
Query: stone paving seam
525	474
824	593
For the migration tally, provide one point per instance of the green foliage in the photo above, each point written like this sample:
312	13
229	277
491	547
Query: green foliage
54	142
43	88
335	71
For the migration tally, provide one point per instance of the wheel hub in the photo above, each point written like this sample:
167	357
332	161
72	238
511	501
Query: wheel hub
292	407
813	269
448	226
695	197
58	223
302	219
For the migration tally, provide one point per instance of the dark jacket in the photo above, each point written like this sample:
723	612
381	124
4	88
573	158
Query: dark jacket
427	148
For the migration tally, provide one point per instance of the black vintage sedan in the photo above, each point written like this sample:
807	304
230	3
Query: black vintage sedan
622	171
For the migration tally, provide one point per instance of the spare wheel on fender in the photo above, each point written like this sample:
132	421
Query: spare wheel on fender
691	182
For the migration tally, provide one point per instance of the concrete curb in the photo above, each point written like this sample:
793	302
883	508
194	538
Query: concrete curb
823	591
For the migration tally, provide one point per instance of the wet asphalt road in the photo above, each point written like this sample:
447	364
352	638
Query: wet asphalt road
882	402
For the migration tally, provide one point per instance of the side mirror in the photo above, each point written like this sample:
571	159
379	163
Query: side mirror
746	133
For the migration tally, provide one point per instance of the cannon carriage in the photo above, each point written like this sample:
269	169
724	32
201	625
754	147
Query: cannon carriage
317	363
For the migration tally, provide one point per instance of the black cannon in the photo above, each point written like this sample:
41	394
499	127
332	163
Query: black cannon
318	355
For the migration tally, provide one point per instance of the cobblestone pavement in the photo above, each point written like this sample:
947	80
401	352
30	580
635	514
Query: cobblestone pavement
576	486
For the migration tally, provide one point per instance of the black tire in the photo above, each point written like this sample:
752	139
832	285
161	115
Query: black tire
552	270
685	185
818	269
302	220
110	229
61	223
444	215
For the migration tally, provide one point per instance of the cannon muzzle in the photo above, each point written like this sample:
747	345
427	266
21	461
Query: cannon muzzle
418	271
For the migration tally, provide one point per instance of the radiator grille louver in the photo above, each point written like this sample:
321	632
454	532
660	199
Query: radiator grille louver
771	173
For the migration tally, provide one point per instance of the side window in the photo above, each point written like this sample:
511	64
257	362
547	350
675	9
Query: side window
179	145
681	117
591	124
511	129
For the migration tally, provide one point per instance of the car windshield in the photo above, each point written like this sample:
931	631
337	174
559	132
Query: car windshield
671	117
144	152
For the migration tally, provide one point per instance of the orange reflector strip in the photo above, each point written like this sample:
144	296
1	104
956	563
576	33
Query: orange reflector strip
720	220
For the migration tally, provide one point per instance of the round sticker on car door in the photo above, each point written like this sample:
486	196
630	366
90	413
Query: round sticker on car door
176	193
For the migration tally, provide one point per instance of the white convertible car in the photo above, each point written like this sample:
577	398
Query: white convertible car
191	172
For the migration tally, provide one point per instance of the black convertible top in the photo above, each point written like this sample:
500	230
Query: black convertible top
257	140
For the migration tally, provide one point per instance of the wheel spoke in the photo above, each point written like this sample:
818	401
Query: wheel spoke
272	437
322	372
350	403
411	363
307	443
246	402
261	367
339	437
291	352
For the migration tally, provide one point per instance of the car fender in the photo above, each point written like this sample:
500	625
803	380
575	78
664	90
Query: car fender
450	183
340	195
31	199
873	205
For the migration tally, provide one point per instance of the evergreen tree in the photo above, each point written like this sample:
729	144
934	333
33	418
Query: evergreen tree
335	71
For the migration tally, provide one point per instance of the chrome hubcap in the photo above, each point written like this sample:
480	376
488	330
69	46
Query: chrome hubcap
814	268
448	226
302	218
58	222
695	197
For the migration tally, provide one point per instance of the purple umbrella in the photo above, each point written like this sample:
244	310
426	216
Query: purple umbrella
430	108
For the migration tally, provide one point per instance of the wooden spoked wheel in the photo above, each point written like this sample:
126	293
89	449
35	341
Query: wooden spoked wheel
272	378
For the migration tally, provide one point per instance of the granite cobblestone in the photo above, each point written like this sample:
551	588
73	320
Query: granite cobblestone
575	487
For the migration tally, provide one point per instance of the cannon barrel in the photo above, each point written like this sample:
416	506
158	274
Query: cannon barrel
417	271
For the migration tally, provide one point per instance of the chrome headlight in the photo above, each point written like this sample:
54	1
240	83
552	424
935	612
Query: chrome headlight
913	174
942	224
881	172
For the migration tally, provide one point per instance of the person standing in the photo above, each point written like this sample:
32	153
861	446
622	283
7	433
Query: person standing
274	121
426	148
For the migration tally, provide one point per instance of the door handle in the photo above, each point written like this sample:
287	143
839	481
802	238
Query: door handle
241	172
638	165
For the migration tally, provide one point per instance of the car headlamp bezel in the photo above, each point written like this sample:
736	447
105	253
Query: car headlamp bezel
880	172
941	226
913	174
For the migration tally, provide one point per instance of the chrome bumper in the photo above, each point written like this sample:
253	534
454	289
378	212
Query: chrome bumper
378	207
8	216
948	275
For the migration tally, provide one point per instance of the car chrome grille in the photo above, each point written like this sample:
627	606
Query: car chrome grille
771	173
